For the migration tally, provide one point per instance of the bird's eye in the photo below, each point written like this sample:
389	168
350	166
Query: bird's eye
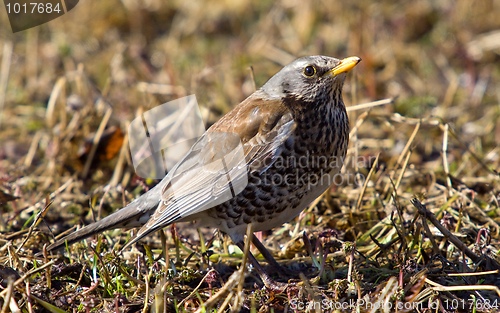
309	71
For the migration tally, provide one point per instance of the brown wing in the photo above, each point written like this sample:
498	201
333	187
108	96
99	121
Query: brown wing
217	166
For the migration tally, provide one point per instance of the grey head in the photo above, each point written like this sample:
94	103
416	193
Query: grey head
310	81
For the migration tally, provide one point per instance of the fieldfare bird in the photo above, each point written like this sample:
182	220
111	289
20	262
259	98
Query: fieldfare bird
293	133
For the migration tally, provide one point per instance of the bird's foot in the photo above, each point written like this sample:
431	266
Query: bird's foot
282	271
274	286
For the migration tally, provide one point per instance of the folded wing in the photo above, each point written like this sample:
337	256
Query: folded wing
217	166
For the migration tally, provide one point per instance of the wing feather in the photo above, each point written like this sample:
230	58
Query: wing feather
216	168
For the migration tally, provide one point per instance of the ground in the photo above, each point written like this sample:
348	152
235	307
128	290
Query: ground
412	222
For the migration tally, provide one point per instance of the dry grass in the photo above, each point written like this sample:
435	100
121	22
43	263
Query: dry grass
79	78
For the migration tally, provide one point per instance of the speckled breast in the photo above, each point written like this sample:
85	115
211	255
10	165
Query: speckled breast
306	166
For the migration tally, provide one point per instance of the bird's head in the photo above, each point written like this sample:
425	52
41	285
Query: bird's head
310	82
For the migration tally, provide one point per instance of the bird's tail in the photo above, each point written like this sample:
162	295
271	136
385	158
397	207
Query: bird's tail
135	214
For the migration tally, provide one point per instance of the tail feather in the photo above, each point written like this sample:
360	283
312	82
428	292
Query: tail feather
135	214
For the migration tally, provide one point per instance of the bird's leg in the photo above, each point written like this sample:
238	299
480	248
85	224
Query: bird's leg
269	257
266	279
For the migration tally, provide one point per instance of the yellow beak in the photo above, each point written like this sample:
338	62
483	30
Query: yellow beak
345	65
